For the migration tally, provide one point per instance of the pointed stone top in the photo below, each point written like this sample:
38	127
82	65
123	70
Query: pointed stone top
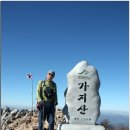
81	64
80	67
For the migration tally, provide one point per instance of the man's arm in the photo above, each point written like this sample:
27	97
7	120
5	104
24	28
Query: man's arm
39	85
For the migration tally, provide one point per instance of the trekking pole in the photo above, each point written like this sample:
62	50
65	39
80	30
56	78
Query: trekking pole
43	116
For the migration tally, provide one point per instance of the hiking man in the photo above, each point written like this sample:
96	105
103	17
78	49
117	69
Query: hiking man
46	100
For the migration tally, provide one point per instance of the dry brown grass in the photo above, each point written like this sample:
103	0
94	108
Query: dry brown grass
108	126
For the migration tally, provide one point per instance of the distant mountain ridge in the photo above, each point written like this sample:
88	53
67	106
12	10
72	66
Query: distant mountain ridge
114	118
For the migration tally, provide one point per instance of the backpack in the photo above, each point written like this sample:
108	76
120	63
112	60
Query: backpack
48	91
49	94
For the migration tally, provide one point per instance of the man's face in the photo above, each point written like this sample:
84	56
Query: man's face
50	76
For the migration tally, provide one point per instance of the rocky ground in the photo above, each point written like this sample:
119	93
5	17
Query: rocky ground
24	119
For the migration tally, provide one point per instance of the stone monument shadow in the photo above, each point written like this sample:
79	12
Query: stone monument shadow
65	109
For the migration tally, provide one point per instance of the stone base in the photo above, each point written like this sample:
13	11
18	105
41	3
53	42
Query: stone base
79	127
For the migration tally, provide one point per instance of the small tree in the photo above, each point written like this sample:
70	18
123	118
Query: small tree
106	123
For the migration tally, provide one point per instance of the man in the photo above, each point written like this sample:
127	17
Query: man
46	100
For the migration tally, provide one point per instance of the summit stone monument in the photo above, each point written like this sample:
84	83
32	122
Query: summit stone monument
82	98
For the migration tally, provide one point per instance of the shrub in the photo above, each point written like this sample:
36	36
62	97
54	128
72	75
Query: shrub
108	126
121	127
106	123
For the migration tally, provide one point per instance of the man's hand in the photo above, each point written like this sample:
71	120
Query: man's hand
39	104
56	103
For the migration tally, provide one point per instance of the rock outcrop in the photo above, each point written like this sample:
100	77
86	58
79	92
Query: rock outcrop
25	120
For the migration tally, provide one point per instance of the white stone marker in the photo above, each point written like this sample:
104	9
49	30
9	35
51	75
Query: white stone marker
82	99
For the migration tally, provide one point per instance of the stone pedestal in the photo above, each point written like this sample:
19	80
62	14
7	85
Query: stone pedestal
79	127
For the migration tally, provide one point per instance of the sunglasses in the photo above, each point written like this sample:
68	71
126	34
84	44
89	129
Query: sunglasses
51	74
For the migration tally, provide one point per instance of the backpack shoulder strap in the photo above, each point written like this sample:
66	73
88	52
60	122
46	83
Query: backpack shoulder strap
43	83
53	83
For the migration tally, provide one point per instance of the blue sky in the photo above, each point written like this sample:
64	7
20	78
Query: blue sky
38	36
